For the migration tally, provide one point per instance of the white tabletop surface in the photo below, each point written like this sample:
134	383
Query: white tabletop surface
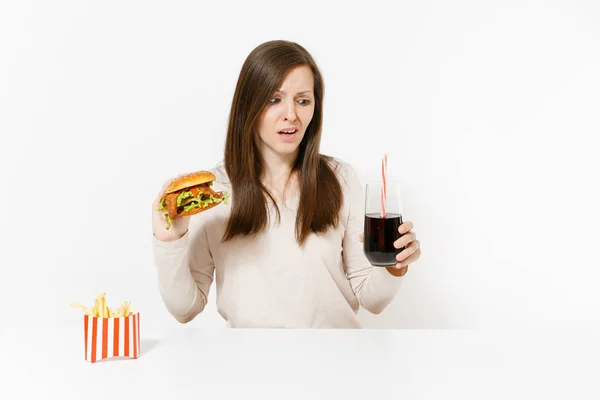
306	364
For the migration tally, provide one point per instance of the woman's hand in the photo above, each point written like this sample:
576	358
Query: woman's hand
178	227
412	250
410	254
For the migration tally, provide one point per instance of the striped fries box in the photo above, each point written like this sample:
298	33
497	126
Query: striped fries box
111	337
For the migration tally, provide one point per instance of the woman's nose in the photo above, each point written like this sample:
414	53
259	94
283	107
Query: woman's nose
291	112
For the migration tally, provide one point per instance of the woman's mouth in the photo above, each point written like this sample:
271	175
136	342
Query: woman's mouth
288	132
288	135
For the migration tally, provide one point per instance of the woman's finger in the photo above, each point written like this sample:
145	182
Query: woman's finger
411	259
405	240
406	253
361	238
405	227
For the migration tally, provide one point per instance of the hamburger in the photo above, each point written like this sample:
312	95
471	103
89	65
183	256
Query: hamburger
190	194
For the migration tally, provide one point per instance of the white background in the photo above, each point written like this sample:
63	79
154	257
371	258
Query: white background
489	112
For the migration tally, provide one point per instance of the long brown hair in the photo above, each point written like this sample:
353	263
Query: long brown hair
320	191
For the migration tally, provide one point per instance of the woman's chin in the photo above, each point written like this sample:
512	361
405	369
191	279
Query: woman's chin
287	152
280	148
286	148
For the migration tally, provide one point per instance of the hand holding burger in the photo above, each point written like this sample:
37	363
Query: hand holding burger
180	198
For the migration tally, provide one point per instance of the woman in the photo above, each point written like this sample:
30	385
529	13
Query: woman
287	251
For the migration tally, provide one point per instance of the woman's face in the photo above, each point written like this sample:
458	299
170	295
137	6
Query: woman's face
291	109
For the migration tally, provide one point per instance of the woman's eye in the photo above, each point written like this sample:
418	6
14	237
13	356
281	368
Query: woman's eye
304	102
274	100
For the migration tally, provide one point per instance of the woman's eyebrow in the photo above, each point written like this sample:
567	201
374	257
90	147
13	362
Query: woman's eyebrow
302	92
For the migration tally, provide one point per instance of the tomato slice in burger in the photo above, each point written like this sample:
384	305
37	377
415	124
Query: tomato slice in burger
194	191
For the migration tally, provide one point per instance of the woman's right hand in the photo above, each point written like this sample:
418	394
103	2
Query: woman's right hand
178	227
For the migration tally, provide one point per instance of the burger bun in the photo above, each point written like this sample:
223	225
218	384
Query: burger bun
189	180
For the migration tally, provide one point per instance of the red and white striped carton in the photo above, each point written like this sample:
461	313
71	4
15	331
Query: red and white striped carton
111	337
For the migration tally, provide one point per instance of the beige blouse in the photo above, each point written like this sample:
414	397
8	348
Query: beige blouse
269	281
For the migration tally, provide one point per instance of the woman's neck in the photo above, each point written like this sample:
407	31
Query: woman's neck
276	171
277	166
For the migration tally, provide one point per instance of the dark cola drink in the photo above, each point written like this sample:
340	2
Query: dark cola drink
380	235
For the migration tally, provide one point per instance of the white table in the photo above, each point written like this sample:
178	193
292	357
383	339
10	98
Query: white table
192	363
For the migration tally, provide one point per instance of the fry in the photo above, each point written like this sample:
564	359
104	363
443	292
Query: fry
104	308
100	308
85	309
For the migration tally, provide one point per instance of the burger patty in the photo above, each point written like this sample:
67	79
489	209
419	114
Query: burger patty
171	201
171	198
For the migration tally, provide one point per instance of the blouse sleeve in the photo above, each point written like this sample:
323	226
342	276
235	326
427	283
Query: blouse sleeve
185	272
374	287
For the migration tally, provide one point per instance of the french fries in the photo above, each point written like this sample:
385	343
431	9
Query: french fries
101	309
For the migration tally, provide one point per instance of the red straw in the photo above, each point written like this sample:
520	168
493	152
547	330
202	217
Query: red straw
384	186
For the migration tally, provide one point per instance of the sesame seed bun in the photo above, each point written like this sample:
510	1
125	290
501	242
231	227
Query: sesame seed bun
190	180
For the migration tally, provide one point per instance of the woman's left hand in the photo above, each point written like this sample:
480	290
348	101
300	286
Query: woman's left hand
412	250
410	254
